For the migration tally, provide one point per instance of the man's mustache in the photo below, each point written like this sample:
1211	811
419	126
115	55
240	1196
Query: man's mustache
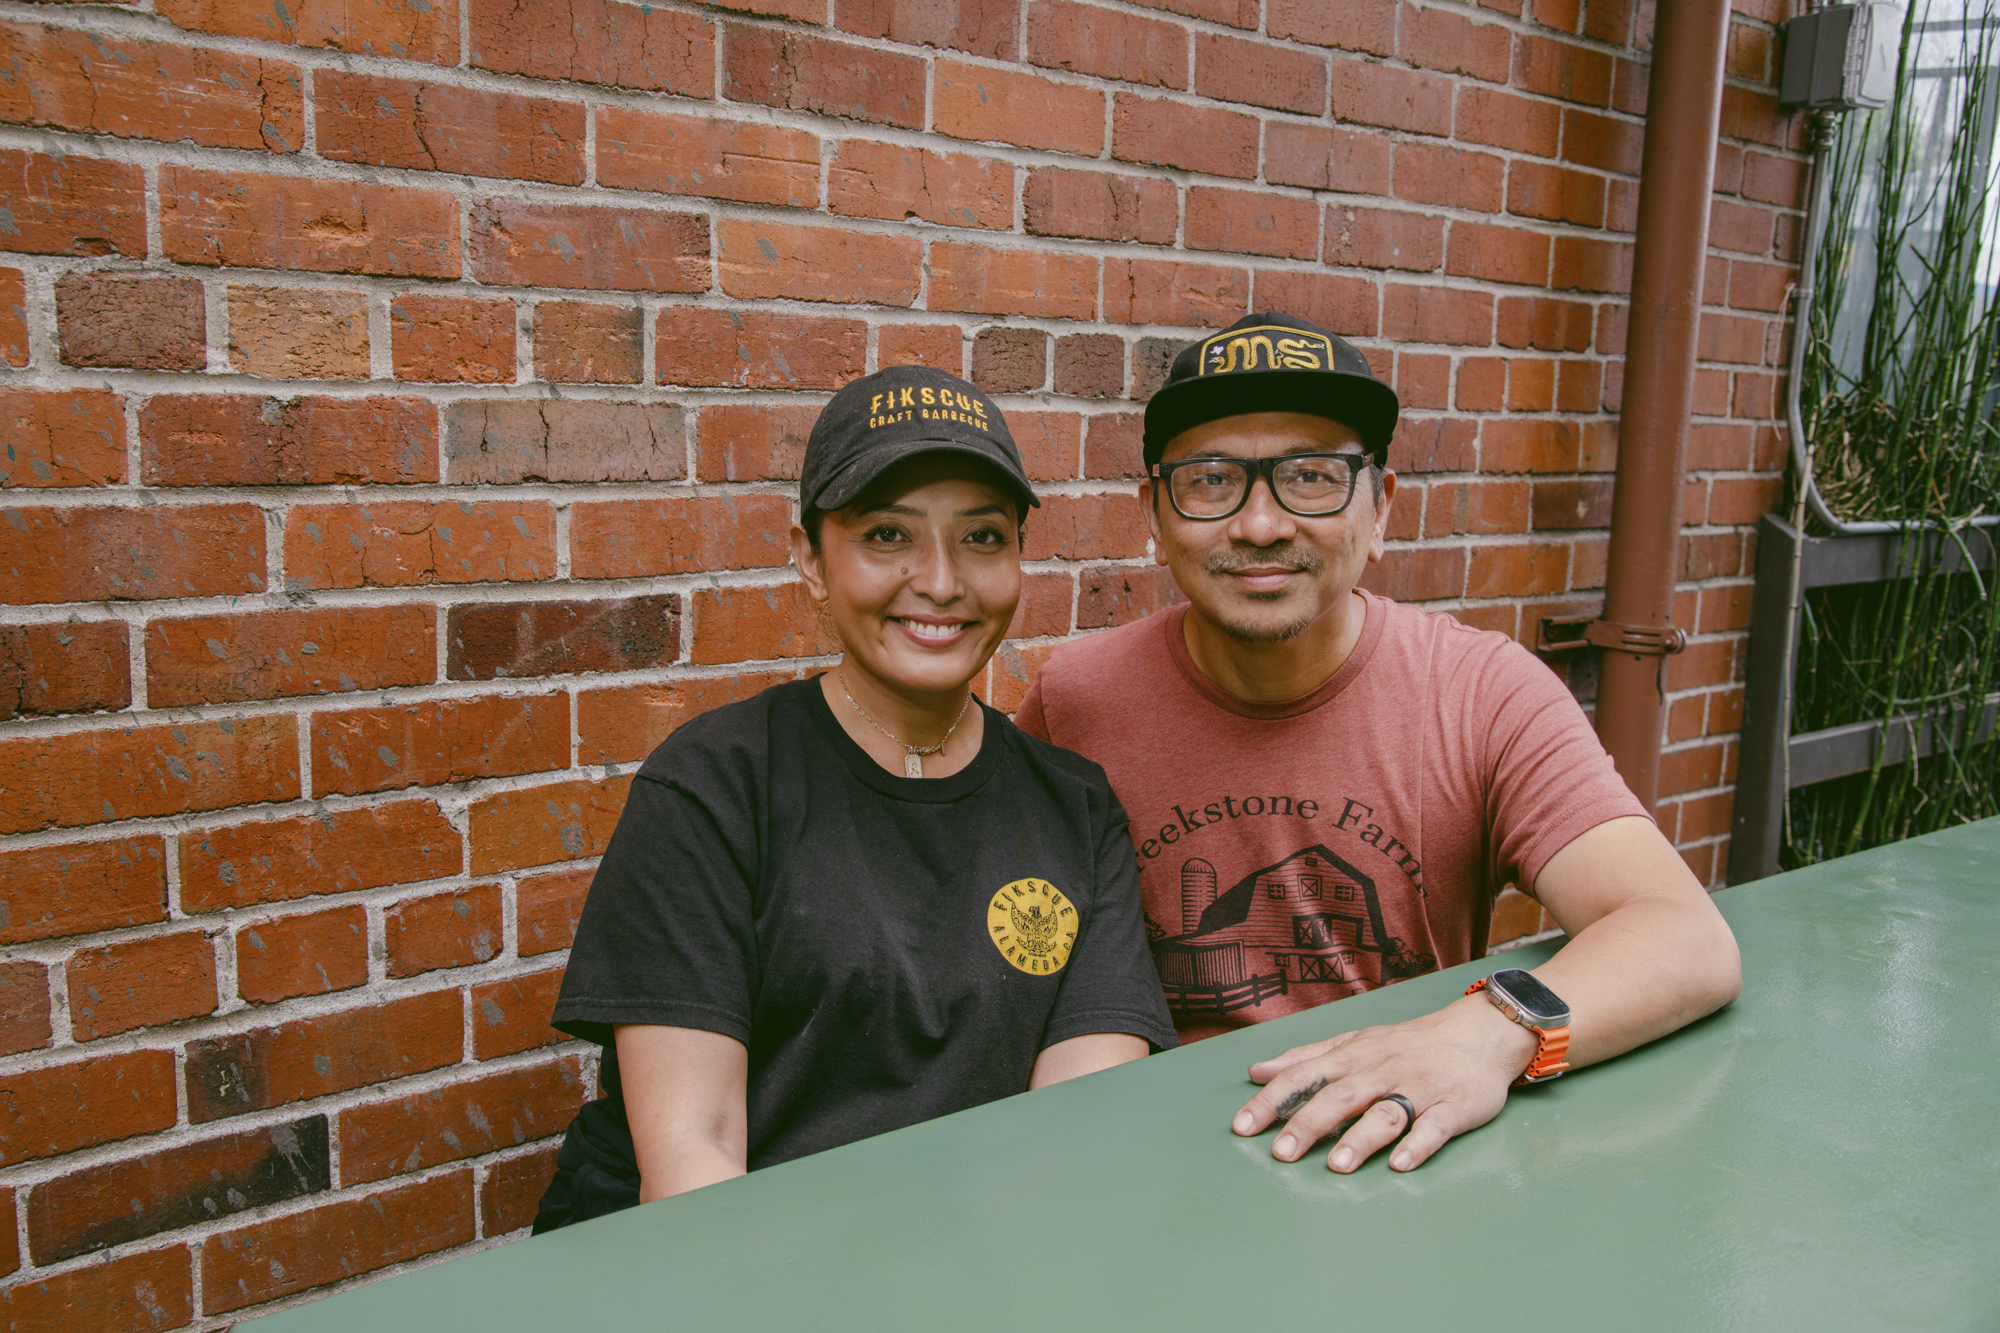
1296	559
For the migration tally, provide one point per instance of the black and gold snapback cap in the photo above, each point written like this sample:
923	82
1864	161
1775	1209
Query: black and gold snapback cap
897	413
1272	363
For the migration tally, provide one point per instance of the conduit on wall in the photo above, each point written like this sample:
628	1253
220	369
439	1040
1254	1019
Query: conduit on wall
1676	178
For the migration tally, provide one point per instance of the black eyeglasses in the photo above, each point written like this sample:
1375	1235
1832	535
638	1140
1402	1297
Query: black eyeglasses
1308	485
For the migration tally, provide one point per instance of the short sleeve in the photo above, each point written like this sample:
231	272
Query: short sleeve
1551	777
666	934
1110	984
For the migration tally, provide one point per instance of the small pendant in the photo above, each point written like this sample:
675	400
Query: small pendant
913	765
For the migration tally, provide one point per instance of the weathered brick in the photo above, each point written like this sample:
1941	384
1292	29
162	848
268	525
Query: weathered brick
71	438
1418	574
1530	446
547	906
335	1242
1013	670
1338	301
273	654
336	851
1455	177
1105	43
1448	41
1421	380
1544	323
784	68
507	440
694	155
1010	360
1090	365
364	27
452	339
622	725
1252	222
1151	359
431	744
102	82
72	205
275	1066
1605	143
307	953
298	333
327	226
1358	25
1087	527
1437	315
132	323
606	249
621	539
580	342
1231	69
755	443
1561	504
939	345
141	772
78	667
1326	159
399	543
596	41
1174	134
982	27
1001	106
871	179
513	1015
130	554
762	260
493	640
561	821
178	1185
244	440
13	320
1048	443
60	1108
1552	193
383	122
142	983
1157	291
747	348
1740	227
450	929
1586	264
1732	338
1390	98
1119	594
512	1191
984	280
1497	254
465	1119
1531	385
1380	238
1563	70
1100	206
136	1293
1515	915
1504	120
755	624
24	1010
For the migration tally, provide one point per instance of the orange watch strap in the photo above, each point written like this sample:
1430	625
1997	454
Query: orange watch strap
1551	1045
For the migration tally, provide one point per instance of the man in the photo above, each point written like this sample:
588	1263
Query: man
1327	789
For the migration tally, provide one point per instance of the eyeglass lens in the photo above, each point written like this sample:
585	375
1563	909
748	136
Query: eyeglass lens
1215	487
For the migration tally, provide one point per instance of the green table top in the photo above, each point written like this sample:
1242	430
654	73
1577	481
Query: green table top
1823	1155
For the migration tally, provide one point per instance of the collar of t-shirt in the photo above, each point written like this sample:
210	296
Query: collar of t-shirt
1375	613
928	790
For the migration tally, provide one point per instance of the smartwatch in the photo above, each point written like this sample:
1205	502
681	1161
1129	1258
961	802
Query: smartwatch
1523	998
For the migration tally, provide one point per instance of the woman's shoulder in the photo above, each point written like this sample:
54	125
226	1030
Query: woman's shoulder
731	736
1047	757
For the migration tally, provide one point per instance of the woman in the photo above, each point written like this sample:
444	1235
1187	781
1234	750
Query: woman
859	901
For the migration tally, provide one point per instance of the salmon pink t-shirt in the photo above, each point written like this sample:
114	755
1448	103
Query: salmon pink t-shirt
1296	853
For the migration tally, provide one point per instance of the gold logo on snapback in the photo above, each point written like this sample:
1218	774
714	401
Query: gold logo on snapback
1032	925
1265	347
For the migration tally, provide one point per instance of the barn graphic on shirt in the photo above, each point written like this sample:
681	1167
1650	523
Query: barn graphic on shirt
1312	919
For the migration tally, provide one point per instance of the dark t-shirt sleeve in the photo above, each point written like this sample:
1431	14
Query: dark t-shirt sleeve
666	932
1110	984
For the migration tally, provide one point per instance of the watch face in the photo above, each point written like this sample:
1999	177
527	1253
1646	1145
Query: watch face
1536	1001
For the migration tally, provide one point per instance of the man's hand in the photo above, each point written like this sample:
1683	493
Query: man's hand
1454	1065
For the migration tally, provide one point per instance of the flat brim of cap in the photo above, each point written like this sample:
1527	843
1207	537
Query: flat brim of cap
1368	405
844	486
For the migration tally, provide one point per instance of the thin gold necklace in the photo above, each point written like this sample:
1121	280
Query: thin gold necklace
913	755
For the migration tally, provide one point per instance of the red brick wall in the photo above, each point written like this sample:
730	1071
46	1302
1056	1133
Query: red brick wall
401	405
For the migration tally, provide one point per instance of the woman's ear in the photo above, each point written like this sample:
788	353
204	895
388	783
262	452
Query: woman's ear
811	571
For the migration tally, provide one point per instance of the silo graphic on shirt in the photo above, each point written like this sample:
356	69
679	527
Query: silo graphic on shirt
1197	892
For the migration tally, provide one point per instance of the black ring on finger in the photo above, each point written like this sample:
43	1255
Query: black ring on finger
1409	1112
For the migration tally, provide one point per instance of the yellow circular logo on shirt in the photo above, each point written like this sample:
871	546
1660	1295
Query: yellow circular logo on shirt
1033	925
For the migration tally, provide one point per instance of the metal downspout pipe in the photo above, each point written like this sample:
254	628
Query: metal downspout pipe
1676	179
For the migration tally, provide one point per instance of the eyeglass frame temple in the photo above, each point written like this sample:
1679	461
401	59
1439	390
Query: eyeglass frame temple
1266	470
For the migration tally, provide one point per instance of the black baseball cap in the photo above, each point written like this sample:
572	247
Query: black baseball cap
1272	363
897	413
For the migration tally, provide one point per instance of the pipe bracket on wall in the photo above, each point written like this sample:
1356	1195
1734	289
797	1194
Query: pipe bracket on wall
1562	634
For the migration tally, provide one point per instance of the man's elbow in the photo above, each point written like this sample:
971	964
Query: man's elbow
1722	972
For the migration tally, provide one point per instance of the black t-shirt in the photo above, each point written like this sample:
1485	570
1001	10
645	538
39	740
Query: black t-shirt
888	949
